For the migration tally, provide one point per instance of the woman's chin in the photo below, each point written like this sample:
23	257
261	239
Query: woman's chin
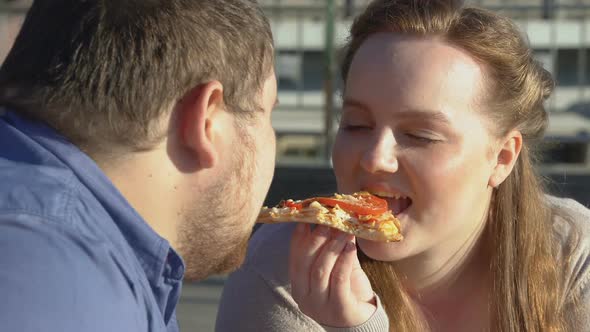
384	251
393	251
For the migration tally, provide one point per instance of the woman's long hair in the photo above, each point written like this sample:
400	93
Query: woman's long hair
526	291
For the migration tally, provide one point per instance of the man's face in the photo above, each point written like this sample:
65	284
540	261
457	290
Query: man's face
9	28
218	228
262	150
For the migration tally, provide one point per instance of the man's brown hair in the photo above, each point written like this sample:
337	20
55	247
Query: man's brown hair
101	71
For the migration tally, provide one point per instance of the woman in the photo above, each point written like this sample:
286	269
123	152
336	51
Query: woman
442	110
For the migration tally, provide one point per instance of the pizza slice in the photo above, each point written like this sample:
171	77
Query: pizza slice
361	214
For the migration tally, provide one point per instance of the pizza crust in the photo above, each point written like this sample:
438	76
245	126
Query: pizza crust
382	228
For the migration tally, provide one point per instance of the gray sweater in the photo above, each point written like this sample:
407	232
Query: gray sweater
257	296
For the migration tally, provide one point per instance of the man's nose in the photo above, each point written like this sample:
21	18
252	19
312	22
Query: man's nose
380	156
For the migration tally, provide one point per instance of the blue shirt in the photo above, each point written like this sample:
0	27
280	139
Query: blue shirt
74	255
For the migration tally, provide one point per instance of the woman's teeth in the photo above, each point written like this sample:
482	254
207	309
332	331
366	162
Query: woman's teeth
397	203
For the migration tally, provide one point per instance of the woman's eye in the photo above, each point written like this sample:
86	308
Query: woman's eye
422	138
354	127
354	120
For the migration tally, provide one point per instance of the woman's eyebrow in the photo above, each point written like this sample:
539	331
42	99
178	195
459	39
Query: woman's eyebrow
351	102
423	114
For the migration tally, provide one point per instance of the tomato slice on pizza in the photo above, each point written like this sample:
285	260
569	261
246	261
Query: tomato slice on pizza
362	214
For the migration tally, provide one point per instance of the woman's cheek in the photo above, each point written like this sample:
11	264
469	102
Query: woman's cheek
346	152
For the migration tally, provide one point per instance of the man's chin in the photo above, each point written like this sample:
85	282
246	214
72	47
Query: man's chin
199	268
231	263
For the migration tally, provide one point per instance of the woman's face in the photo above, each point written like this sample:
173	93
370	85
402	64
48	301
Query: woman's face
411	130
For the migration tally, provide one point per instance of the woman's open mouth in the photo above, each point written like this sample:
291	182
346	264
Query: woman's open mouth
397	203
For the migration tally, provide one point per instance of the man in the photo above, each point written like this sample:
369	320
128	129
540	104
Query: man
133	133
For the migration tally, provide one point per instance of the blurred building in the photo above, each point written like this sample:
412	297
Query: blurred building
558	30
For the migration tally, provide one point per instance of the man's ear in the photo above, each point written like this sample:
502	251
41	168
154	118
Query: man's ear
198	109
506	158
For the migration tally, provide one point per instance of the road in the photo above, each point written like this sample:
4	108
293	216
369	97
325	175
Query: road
197	308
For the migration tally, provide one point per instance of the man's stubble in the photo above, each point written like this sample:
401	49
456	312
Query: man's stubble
213	237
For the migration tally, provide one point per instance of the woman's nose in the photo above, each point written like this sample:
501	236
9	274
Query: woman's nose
380	156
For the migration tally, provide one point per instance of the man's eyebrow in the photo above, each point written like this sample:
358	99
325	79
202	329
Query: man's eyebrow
405	113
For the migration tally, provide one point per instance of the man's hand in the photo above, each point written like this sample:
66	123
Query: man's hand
326	278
